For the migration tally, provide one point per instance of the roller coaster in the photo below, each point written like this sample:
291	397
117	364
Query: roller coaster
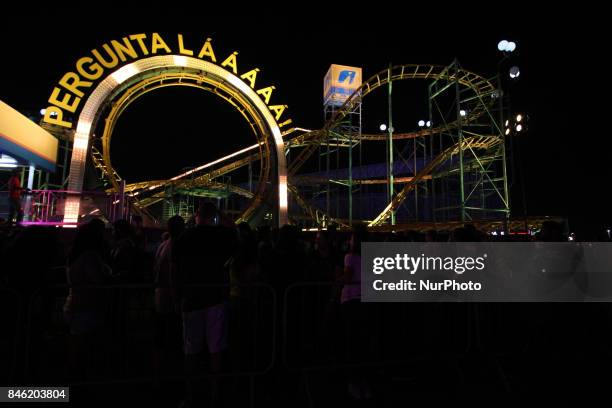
455	172
450	171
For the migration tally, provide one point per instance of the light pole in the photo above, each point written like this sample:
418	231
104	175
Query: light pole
390	149
507	48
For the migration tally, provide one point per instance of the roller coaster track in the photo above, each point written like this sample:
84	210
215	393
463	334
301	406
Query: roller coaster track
157	79
203	179
520	224
149	201
231	188
98	161
228	168
473	142
310	140
310	180
184	79
480	87
320	217
160	196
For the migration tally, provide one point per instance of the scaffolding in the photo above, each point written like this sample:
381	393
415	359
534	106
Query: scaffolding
338	150
453	169
473	184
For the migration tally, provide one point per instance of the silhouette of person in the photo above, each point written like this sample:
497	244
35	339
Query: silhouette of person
14	198
201	256
167	322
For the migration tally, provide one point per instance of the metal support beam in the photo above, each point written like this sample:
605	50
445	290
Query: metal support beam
390	147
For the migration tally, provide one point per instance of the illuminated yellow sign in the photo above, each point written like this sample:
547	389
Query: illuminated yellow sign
117	63
339	83
24	139
71	89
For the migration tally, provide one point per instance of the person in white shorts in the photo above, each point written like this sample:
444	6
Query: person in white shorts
207	326
201	278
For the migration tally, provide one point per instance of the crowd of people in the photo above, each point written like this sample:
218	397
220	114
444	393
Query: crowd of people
200	275
203	276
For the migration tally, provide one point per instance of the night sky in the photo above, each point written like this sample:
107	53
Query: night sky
564	156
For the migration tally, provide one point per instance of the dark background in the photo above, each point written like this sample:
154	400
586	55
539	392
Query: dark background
563	157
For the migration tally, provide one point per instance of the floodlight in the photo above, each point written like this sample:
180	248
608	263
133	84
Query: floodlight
514	72
502	45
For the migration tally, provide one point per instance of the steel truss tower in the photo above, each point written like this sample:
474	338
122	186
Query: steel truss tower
339	150
473	183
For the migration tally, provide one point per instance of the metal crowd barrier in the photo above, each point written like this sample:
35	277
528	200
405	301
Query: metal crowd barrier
46	207
124	351
318	330
318	333
314	327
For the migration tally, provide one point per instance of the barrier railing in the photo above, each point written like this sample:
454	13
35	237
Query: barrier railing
125	345
320	333
46	207
316	333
